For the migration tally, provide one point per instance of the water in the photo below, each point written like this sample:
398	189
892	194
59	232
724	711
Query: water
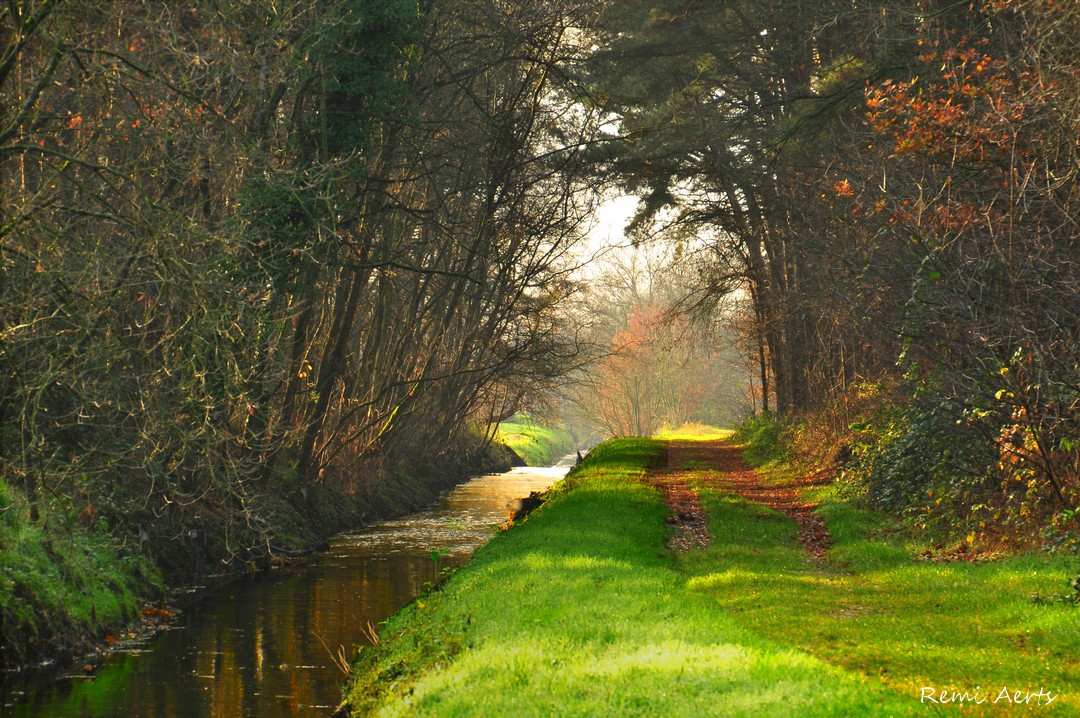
264	647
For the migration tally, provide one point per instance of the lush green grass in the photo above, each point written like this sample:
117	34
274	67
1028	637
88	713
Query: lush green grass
536	442
872	608
580	611
60	582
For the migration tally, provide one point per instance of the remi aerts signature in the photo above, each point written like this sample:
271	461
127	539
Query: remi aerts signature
1005	696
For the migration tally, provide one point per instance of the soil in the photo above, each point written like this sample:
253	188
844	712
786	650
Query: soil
688	521
721	465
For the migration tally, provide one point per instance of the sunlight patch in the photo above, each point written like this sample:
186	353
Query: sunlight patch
672	657
537	561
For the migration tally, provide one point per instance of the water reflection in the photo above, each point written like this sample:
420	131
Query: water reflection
264	646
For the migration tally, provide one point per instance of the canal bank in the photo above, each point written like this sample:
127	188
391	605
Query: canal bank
272	645
586	610
72	577
595	606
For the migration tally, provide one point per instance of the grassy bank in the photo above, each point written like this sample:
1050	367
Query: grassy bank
537	443
62	584
582	611
69	575
891	600
877	607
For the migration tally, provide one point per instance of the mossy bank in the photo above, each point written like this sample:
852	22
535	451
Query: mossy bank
535	441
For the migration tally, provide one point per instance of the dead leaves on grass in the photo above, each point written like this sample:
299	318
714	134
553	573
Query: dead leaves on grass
721	465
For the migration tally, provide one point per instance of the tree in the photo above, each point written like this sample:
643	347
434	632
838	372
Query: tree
882	184
978	145
720	105
250	247
663	362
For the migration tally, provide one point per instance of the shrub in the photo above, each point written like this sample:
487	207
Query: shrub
765	437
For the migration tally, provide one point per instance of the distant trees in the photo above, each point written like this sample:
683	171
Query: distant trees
657	374
721	109
280	240
274	241
661	364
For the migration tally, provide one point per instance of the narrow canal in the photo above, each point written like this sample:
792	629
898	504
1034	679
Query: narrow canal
265	647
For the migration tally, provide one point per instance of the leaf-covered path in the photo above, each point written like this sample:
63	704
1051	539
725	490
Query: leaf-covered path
688	520
720	465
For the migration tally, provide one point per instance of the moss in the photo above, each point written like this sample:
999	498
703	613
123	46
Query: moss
61	583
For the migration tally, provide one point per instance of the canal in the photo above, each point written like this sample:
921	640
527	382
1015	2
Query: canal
267	646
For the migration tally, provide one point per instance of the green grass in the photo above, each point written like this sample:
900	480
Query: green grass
872	608
60	583
581	611
537	443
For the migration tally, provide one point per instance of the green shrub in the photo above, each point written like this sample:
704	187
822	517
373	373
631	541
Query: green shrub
924	461
765	438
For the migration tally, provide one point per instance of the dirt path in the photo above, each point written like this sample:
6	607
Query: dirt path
688	520
723	467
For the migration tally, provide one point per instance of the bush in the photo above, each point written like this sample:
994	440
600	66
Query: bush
920	456
938	464
765	437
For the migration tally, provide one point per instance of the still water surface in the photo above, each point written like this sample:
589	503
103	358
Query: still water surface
262	647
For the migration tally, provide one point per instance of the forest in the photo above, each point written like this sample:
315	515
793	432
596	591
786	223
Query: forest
889	194
268	264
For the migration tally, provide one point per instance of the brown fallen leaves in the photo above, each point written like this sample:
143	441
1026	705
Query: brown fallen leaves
720	465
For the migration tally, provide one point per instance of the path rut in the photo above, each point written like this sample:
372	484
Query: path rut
721	465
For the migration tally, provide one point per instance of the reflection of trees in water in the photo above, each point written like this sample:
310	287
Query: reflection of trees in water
253	648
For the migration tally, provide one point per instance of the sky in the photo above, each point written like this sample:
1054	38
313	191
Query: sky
608	232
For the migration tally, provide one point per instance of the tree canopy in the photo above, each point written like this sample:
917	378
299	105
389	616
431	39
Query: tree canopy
260	246
295	242
893	187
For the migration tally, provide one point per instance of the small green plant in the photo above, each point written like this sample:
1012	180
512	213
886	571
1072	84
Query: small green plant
1071	599
436	555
